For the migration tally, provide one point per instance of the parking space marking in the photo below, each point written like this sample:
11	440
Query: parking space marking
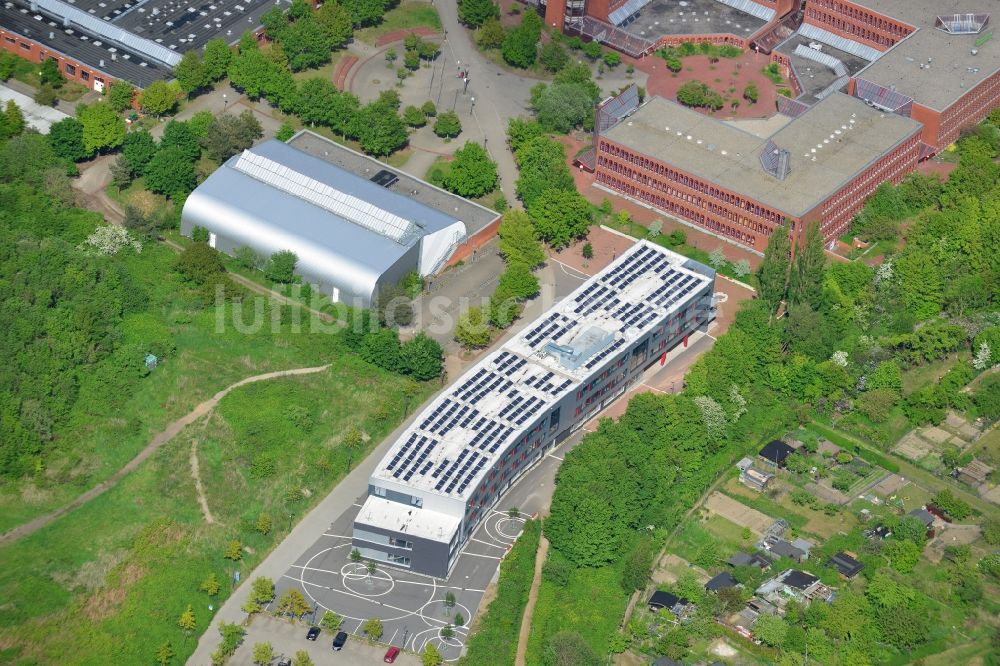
487	543
549	455
336	536
492	557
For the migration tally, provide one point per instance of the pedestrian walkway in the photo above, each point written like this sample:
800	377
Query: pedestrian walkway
36	116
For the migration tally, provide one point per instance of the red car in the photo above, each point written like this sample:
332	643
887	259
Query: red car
391	654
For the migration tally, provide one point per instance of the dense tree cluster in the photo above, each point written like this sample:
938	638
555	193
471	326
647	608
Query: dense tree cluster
376	126
420	357
520	45
472	173
61	311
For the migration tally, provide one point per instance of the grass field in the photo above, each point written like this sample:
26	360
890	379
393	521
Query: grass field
98	441
560	609
115	575
406	15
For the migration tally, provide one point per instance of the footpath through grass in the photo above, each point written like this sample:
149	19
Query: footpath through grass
108	582
494	642
206	357
407	15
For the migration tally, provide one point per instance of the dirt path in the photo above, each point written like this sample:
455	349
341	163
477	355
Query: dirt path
529	610
162	438
202	500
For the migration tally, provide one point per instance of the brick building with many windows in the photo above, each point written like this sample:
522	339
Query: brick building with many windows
820	166
932	60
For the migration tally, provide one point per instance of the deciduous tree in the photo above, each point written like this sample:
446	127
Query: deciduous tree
190	72
216	59
280	266
474	13
293	603
158	98
120	95
170	173
66	137
560	216
519	240
103	128
473	330
448	125
472	172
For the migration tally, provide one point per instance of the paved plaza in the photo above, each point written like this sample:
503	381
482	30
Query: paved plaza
411	605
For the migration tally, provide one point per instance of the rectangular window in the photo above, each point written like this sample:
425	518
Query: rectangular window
85	76
25	46
378	491
70	69
398	559
417	502
554	419
401	543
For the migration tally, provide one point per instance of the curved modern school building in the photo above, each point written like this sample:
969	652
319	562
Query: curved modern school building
458	457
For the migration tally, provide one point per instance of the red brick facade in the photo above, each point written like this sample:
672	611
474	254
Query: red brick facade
737	218
855	22
684	196
73	70
474	242
973	107
835	214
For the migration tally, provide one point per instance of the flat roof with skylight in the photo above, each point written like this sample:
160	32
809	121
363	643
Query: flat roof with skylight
463	433
951	52
825	148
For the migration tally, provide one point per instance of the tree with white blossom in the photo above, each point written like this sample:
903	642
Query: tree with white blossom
839	358
983	357
713	416
109	240
738	401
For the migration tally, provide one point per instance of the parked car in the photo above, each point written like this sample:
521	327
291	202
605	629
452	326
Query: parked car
312	634
391	654
339	640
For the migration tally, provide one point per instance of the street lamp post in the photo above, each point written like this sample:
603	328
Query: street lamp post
225	102
289	521
472	105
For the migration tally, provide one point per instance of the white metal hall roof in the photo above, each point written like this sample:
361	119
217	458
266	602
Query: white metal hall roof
466	429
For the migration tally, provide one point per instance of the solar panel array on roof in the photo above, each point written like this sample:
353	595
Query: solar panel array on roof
495	403
339	203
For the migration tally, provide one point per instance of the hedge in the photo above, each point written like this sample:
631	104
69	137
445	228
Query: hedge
495	641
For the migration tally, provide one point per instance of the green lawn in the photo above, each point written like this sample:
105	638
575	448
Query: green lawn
923	375
562	609
97	443
406	15
27	72
115	575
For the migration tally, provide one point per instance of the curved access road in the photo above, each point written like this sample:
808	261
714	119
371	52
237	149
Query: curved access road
167	434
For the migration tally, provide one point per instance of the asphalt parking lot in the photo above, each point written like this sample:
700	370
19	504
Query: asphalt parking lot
412	606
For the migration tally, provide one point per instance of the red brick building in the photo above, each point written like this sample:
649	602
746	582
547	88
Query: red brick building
933	60
820	166
72	69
